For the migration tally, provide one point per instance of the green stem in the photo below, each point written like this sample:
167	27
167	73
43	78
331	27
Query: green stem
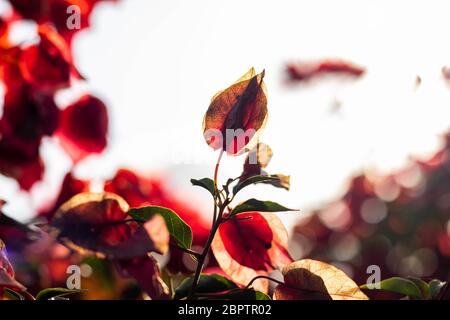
188	251
202	257
217	220
216	173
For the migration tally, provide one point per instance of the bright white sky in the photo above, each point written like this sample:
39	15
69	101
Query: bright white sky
157	64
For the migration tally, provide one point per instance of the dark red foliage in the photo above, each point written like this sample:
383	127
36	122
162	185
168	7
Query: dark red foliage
7	272
146	271
304	71
4	262
28	115
47	66
83	127
3	26
15	234
253	252
98	223
31	74
140	191
258	241
56	12
254	245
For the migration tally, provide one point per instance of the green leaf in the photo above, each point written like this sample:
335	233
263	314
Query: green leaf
435	287
179	230
283	181
253	180
423	286
13	295
241	294
397	285
50	293
205	183
257	205
208	283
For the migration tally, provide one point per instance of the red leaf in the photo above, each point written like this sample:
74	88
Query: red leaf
4	262
146	271
236	114
16	235
98	223
22	127
304	71
47	65
27	116
55	12
140	191
7	273
83	127
315	280
245	249
25	171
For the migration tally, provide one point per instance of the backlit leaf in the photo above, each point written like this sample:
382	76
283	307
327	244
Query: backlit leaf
315	280
83	127
247	248
99	223
256	161
236	114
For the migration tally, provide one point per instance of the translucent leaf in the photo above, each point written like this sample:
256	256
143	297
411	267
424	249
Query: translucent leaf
315	280
99	223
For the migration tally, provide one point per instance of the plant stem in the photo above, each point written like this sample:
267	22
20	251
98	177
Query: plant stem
217	220
202	257
216	172
263	277
191	252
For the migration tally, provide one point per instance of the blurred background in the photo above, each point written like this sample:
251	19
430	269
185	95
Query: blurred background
367	155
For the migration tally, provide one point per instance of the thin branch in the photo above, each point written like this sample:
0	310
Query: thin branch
237	218
191	252
215	227
263	277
